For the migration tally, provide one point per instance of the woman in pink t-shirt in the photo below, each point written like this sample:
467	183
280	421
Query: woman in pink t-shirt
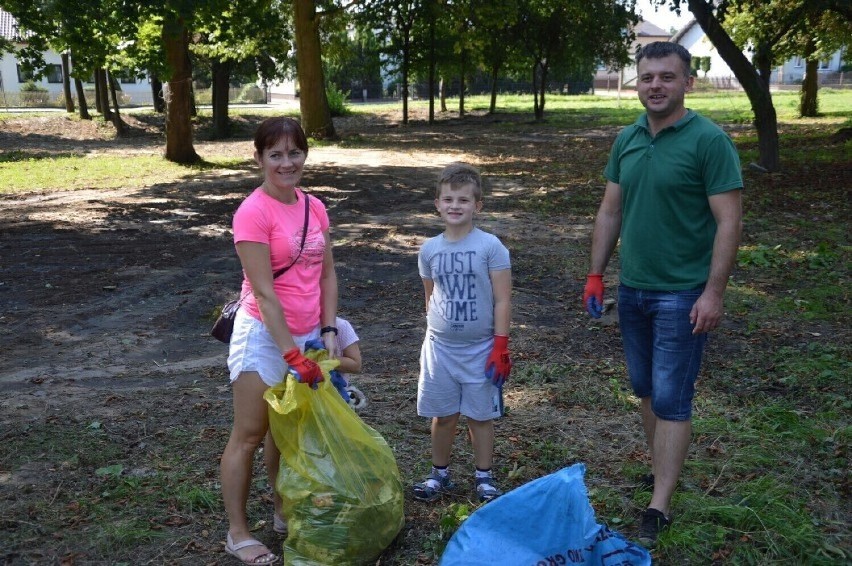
277	315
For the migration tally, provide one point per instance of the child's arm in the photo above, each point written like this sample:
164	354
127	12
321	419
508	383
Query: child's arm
350	359
501	284
428	286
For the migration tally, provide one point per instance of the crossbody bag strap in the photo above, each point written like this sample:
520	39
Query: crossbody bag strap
301	245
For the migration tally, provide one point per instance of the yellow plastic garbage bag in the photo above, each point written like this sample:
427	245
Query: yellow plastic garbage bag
339	479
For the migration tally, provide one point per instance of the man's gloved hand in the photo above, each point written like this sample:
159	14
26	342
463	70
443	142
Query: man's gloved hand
340	384
307	371
593	294
499	364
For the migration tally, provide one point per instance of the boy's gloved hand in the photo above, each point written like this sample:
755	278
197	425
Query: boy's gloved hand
307	371
593	294
499	364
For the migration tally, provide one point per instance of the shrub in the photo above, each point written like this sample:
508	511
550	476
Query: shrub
33	95
251	93
337	100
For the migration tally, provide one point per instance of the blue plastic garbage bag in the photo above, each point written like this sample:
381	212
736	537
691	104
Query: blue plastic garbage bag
548	521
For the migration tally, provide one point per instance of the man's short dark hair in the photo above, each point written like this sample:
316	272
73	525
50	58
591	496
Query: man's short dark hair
661	49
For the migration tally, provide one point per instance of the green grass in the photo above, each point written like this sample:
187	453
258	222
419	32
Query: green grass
599	110
21	171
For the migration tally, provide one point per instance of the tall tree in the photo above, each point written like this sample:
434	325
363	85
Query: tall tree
570	36
396	20
494	22
243	31
313	102
179	146
779	19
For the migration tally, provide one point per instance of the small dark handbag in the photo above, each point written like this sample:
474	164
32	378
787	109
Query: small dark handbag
224	325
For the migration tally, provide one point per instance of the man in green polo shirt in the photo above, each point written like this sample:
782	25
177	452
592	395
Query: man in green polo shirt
673	197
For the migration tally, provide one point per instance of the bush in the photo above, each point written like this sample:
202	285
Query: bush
252	94
337	100
30	86
33	95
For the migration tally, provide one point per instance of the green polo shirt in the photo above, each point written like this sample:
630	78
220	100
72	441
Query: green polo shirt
667	227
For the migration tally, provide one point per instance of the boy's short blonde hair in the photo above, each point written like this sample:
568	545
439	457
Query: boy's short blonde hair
459	174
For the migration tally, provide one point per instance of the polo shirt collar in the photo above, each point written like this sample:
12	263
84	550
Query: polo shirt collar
642	121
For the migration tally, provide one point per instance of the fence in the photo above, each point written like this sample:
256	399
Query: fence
245	94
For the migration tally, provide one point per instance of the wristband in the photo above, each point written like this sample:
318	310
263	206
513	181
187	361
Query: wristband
325	329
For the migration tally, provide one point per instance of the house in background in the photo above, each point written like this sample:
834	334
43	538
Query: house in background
646	33
13	76
720	75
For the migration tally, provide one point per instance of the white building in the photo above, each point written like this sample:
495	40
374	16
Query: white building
720	74
12	76
645	33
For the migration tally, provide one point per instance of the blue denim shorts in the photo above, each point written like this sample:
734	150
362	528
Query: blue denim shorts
663	355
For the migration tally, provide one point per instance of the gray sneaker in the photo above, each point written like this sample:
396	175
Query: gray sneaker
424	491
485	489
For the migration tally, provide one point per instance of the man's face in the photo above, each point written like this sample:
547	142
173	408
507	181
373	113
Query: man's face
662	85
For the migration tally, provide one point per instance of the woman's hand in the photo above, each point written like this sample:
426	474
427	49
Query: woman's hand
306	370
330	341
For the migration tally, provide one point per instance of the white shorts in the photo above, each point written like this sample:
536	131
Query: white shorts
253	349
452	380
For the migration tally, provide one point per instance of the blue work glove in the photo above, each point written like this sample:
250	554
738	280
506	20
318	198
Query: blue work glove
340	384
315	344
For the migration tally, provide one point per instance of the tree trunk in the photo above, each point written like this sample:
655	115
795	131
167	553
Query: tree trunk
81	100
157	94
221	84
442	88
538	90
406	56
463	71
756	88
313	101
495	70
66	84
117	122
543	86
179	146
808	103
103	93
432	67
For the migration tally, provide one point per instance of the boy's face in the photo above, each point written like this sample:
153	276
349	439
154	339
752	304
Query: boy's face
457	206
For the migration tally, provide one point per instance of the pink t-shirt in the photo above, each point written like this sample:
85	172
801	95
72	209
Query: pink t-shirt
261	218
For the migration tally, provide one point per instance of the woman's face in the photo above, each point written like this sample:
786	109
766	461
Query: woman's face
282	164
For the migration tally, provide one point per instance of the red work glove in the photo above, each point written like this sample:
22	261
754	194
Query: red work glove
593	295
306	371
499	365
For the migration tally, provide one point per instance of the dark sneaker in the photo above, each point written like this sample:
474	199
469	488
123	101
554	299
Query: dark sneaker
428	491
653	523
485	489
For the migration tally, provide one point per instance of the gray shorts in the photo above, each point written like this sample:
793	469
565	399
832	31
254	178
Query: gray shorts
452	380
253	349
